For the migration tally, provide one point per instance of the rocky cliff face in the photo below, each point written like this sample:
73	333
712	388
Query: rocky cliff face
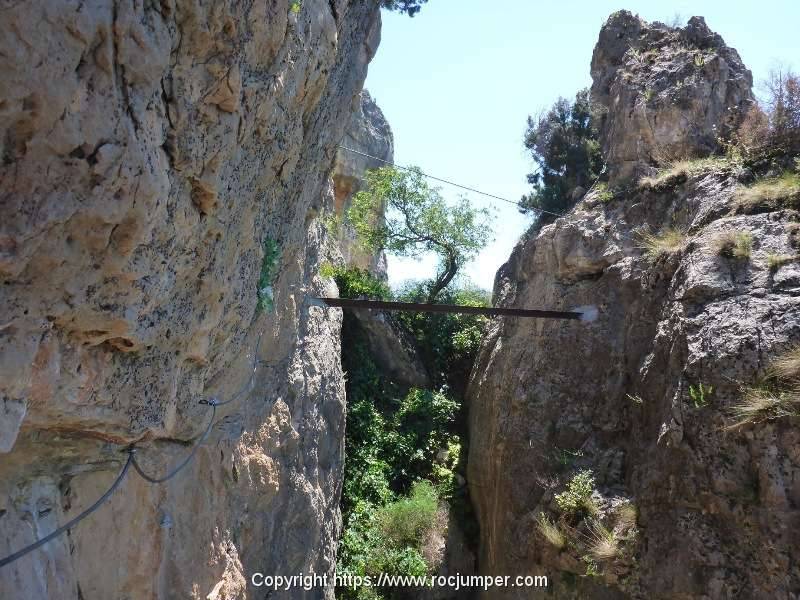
368	134
150	153
711	511
664	93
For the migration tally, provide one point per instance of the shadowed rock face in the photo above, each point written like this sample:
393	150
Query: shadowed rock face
147	152
664	93
718	508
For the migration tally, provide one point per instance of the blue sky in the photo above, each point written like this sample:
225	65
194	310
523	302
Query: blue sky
458	81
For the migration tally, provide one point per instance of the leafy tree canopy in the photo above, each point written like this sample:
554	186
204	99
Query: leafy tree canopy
410	7
564	144
417	221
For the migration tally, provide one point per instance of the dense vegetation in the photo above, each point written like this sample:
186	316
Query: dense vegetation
563	143
447	342
403	446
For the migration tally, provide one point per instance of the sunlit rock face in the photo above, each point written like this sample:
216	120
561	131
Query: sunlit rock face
716	507
149	151
664	93
371	137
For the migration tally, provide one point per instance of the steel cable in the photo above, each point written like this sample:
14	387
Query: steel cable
70	524
212	402
448	182
249	382
186	460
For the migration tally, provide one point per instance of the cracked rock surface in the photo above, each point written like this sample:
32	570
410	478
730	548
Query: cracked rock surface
148	151
717	508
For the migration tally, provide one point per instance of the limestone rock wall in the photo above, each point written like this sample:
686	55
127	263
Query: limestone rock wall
664	93
718	508
370	134
149	152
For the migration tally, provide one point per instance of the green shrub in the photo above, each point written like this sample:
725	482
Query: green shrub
578	495
407	520
603	194
422	425
356	283
388	538
776	261
269	269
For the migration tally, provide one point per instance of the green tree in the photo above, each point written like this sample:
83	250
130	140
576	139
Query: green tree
564	144
417	221
410	7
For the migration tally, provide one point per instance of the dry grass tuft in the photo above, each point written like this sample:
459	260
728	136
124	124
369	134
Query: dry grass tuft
668	241
550	531
603	543
678	170
734	244
787	365
774	192
626	515
591	507
761	404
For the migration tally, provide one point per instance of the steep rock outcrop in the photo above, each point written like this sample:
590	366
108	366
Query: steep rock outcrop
664	93
718	507
149	151
368	133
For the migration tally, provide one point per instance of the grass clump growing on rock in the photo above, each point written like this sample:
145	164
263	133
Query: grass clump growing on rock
603	542
626	515
667	241
774	192
776	261
778	397
675	172
763	404
787	365
734	244
550	531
